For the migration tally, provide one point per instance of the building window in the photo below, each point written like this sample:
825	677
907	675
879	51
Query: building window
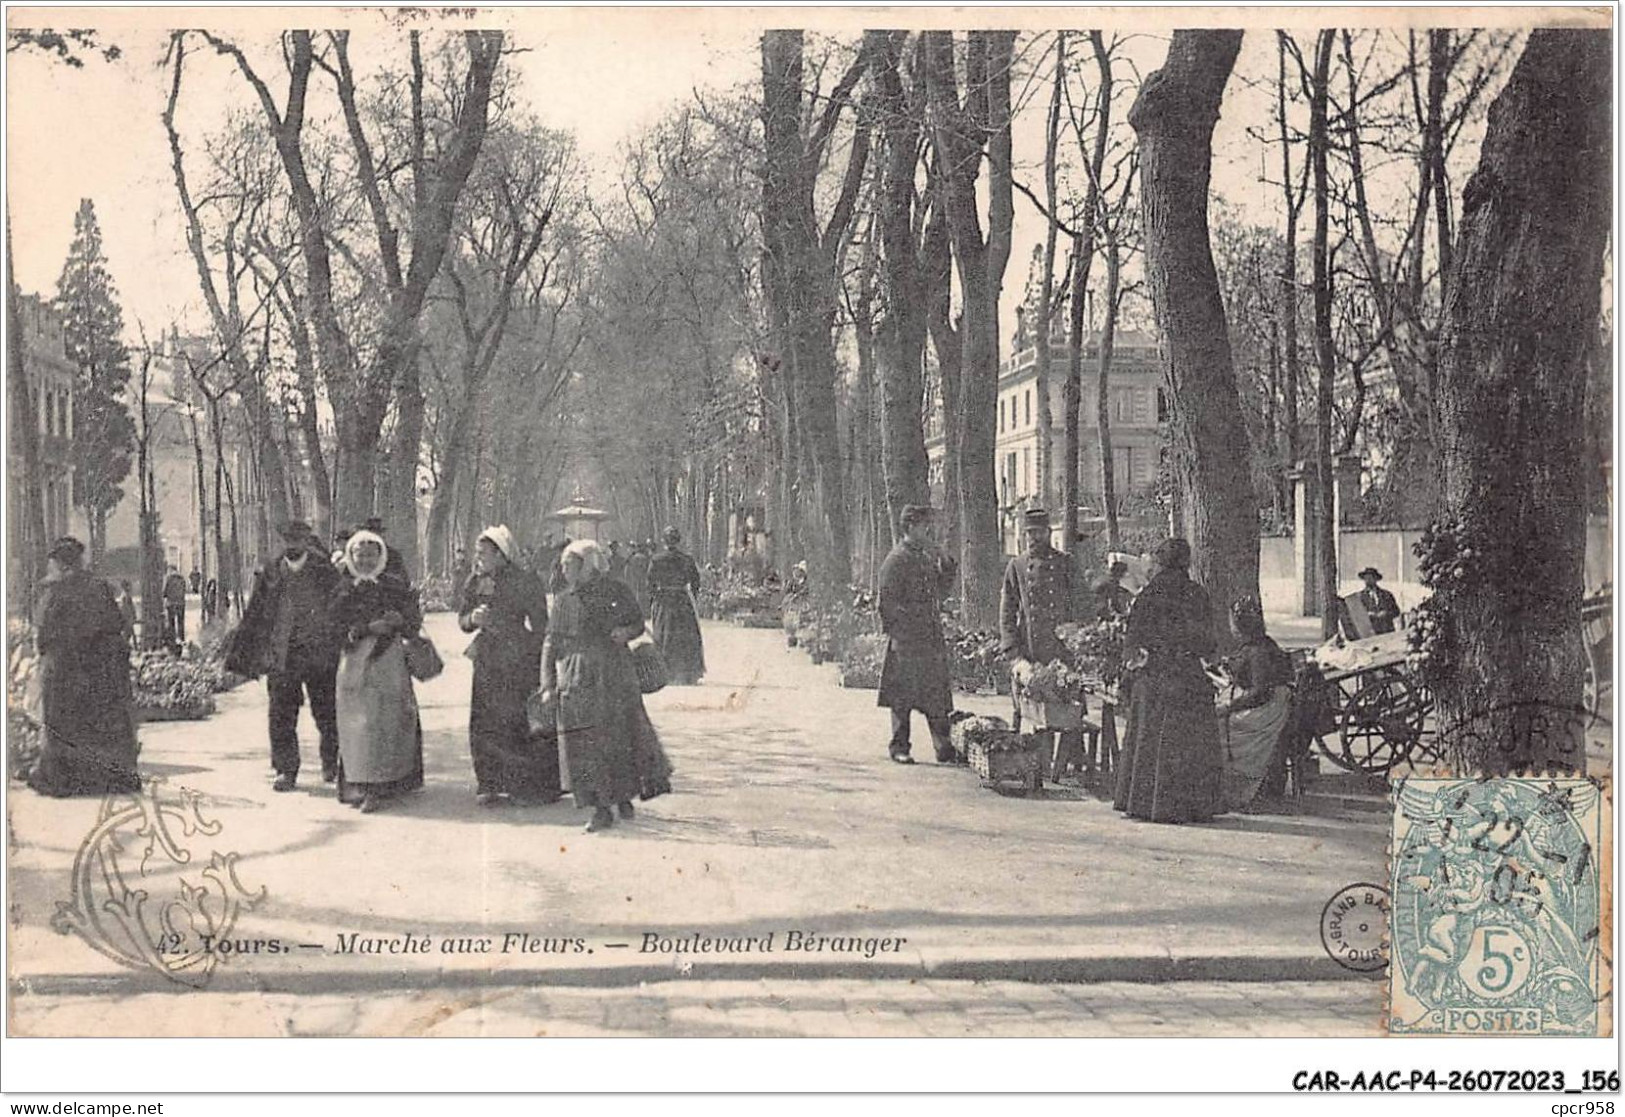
1123	405
1123	468
1001	416
1029	407
1162	406
50	411
1027	469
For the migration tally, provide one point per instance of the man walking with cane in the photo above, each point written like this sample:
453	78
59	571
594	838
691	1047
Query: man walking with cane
914	579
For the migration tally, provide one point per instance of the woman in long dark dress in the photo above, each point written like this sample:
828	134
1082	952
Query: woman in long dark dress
1254	722
674	579
1170	769
89	742
380	739
610	746
507	606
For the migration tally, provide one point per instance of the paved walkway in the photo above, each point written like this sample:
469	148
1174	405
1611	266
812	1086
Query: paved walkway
786	818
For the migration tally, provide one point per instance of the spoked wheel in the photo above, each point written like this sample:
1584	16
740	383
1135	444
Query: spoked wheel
1426	750
1382	722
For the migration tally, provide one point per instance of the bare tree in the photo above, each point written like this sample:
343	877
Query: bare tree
362	396
900	110
799	268
1174	116
1325	515
966	131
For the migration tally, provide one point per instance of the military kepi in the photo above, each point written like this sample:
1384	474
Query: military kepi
1036	517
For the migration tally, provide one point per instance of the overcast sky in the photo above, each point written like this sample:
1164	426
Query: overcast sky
601	73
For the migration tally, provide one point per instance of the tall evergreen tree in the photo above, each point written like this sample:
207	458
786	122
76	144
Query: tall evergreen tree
103	432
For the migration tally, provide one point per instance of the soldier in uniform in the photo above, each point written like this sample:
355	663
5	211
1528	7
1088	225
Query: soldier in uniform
914	579
1041	589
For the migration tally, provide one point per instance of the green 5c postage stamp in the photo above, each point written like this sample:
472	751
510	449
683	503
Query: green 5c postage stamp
1501	913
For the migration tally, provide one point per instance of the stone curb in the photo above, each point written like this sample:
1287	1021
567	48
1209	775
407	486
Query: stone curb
1078	969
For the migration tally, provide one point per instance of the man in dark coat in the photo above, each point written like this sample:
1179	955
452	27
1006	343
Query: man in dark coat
1041	589
287	635
175	609
914	579
1374	606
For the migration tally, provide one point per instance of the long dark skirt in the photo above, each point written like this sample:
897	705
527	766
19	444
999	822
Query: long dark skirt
89	742
508	758
617	762
677	630
1171	768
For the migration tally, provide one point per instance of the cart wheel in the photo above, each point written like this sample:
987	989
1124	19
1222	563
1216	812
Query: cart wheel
1381	724
1425	748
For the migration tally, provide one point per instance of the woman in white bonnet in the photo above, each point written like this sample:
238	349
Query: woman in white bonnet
380	740
613	753
506	605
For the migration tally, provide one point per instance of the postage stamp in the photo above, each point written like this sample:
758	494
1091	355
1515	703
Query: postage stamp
1501	914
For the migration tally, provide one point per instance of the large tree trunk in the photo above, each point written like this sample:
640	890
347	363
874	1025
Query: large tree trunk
1083	256
1072	391
901	348
445	489
1174	116
1520	308
1103	380
1325	517
1042	364
403	474
937	256
961	131
803	274
1288	299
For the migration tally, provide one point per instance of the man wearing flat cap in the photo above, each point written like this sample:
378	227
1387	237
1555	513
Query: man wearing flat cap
1371	612
914	579
287	635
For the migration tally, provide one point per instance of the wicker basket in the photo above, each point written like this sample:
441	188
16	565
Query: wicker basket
1007	765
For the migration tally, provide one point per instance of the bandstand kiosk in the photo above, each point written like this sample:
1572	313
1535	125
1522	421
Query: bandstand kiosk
580	521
